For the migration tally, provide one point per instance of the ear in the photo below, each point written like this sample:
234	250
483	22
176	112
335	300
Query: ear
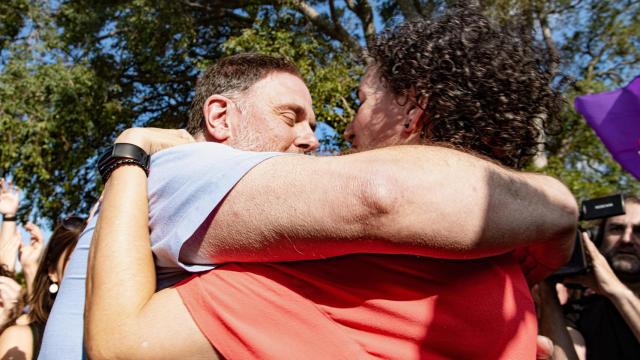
414	111
217	109
53	275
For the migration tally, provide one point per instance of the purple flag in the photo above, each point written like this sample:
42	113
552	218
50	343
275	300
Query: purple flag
615	117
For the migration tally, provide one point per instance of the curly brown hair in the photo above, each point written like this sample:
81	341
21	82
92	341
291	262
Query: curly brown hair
487	88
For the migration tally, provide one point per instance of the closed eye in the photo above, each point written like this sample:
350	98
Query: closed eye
289	118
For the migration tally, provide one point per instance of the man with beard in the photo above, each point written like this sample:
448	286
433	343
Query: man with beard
609	321
604	323
356	306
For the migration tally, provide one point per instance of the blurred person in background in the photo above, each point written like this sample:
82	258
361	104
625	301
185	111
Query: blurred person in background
9	237
12	295
12	299
604	323
43	272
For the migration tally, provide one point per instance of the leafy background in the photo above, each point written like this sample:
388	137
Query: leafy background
74	73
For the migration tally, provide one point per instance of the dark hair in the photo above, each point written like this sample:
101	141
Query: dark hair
485	85
231	76
62	242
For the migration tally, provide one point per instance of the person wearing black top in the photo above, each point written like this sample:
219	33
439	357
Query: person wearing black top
605	320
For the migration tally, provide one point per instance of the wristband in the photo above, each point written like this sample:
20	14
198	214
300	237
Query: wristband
122	154
9	218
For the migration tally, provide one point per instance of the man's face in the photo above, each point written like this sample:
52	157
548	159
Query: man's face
277	115
621	241
380	119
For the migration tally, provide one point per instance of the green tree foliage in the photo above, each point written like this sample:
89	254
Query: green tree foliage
53	114
73	73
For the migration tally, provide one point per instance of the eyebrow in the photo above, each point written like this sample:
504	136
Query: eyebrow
616	224
300	112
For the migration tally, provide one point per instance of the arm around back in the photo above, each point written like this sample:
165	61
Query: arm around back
421	200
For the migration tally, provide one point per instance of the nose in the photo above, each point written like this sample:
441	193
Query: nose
348	133
626	236
307	140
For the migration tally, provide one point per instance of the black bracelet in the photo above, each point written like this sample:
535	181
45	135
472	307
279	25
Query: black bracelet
120	162
121	154
9	218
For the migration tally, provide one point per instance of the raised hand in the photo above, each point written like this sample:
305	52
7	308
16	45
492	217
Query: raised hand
9	198
9	298
30	254
602	279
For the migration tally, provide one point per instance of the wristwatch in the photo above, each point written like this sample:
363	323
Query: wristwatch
122	154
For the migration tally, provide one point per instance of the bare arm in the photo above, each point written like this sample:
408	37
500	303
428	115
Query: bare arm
552	323
123	316
16	342
420	200
9	242
628	305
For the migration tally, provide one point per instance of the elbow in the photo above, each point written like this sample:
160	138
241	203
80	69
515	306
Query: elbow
97	349
564	219
384	213
101	343
107	348
98	344
379	197
568	211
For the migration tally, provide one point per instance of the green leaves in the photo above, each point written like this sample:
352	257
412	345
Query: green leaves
76	72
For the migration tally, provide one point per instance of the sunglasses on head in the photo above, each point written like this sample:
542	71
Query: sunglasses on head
73	223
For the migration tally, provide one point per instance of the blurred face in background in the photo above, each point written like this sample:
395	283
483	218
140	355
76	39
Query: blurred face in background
621	242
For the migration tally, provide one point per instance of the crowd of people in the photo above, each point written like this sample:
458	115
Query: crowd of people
26	306
424	242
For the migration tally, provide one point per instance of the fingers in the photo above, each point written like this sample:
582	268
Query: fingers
544	347
591	248
10	283
8	190
6	186
35	232
185	134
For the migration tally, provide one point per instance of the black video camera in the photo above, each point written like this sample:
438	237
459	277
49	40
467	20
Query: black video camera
593	209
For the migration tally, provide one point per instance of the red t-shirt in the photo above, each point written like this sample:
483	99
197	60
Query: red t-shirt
366	306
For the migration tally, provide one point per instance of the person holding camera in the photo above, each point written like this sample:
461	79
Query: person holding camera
604	323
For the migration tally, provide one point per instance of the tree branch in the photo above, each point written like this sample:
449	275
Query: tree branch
563	9
333	30
364	12
333	12
554	57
